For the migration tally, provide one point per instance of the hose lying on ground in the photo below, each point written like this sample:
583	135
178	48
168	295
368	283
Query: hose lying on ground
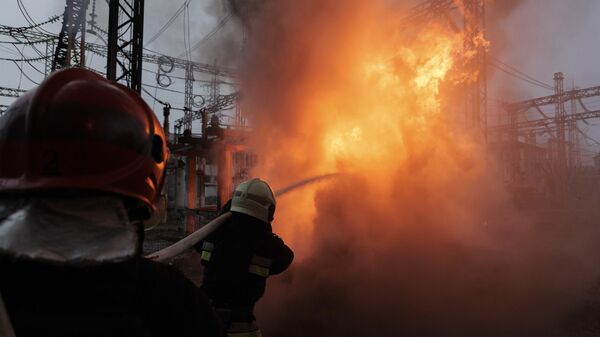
189	241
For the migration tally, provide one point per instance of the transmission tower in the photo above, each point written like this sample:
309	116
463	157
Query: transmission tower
475	44
561	145
189	97
125	42
65	54
554	126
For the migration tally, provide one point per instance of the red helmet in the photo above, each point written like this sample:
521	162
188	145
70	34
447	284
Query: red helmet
78	131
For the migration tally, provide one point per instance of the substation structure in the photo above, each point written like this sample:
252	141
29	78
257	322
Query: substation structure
204	167
550	171
207	163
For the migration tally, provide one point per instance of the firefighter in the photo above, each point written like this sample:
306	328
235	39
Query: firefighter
82	164
240	255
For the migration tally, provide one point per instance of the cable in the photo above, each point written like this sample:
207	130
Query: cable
585	135
195	80
7	50
524	79
28	62
212	33
37	52
24	74
495	59
520	77
28	41
161	88
25	59
21	73
156	99
186	33
52	19
30	20
169	23
155	94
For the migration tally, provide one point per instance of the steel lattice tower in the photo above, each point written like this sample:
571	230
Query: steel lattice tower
65	54
475	44
125	42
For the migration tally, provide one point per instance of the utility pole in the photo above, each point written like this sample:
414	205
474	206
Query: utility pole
189	96
514	146
49	62
572	128
560	116
125	42
166	113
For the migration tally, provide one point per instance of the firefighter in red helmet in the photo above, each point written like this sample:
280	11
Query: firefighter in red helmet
82	163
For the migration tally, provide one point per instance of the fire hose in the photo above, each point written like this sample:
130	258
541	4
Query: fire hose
189	241
6	329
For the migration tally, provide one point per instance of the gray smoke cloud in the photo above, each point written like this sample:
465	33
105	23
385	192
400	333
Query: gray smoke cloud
440	254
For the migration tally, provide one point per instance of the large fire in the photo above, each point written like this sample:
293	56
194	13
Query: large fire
366	103
393	96
404	241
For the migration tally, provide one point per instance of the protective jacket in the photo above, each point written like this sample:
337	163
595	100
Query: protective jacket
70	266
136	297
237	260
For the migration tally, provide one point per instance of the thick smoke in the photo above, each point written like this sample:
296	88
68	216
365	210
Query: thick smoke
422	243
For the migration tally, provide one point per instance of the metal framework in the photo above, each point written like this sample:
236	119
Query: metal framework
3	108
429	10
515	110
539	125
73	22
125	18
222	102
565	96
475	44
37	37
189	97
564	153
11	92
560	119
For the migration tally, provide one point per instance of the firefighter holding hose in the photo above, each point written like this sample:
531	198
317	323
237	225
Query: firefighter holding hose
82	164
240	255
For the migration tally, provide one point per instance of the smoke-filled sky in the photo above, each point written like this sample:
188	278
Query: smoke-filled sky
417	236
538	37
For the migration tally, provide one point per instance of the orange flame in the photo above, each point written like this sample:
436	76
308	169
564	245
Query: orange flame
365	103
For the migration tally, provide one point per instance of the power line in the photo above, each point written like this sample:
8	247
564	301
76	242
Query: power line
495	59
30	20
32	59
186	33
211	34
156	99
508	72
169	23
163	89
195	79
24	74
7	50
29	62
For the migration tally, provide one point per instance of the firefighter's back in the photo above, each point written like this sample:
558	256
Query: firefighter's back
130	298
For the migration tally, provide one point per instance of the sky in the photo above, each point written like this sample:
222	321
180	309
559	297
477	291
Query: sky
537	37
